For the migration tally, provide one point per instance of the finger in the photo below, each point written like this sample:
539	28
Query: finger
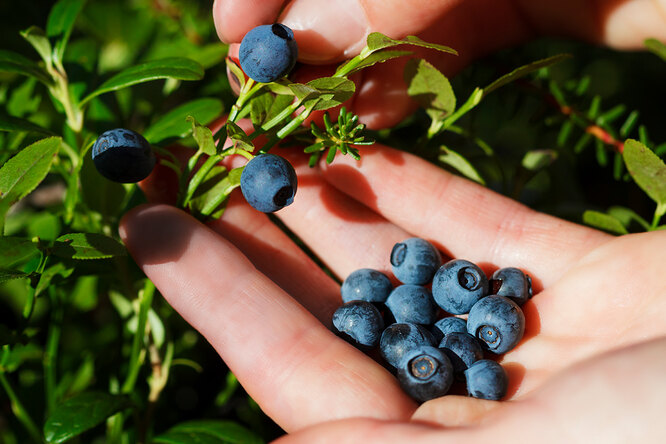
464	219
345	234
295	368
235	18
275	255
457	411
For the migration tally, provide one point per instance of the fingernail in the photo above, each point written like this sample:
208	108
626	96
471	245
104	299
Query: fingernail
326	30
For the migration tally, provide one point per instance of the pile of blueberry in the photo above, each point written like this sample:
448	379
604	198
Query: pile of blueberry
429	352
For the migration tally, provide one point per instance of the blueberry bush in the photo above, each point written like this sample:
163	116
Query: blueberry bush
89	352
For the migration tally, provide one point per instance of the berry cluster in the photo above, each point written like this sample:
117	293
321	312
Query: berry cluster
428	354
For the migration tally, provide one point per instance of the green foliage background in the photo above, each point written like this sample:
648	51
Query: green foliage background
549	139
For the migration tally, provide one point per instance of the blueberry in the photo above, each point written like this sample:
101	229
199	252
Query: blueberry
457	285
268	183
414	261
486	380
121	155
366	285
445	326
412	303
512	283
425	373
398	339
462	349
268	52
497	322
359	322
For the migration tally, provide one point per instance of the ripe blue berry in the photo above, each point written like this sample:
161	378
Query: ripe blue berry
359	322
445	326
462	349
398	339
414	261
366	285
412	303
512	283
425	373
268	183
486	380
458	285
268	52
121	155
497	322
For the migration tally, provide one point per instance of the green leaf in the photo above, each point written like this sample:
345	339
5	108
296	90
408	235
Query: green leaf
377	41
8	275
11	123
237	72
626	216
16	250
174	123
60	23
656	47
87	246
537	159
430	88
169	68
38	39
372	59
58	269
329	92
80	413
208	432
460	164
266	106
523	71
22	173
13	62
203	136
241	140
603	221
470	103
217	186
648	170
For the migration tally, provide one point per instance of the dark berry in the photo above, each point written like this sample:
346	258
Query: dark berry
359	322
511	283
268	52
497	322
425	373
486	380
268	183
366	285
398	339
462	349
412	303
458	285
414	261
121	155
448	325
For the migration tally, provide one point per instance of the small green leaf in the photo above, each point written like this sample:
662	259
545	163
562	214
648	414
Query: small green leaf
656	47
537	159
266	106
604	222
22	173
60	23
38	39
16	250
87	246
203	136
170	68
241	140
372	59
330	92
460	164
429	87
470	103
523	71
11	123
80	413
216	187
237	72
13	62
648	170
8	275
208	432
58	269
377	41
174	123
626	216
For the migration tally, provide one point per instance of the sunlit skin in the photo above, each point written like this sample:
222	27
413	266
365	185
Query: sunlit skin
591	364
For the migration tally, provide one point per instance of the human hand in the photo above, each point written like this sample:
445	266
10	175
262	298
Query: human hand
330	31
265	306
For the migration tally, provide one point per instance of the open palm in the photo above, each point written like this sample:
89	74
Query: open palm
265	305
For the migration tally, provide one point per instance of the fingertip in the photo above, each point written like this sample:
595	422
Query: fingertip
234	18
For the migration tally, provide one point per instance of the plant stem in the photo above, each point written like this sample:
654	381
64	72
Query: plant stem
19	411
145	301
199	176
51	353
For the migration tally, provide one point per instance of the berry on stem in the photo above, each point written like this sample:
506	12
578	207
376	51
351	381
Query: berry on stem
268	183
268	52
122	155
